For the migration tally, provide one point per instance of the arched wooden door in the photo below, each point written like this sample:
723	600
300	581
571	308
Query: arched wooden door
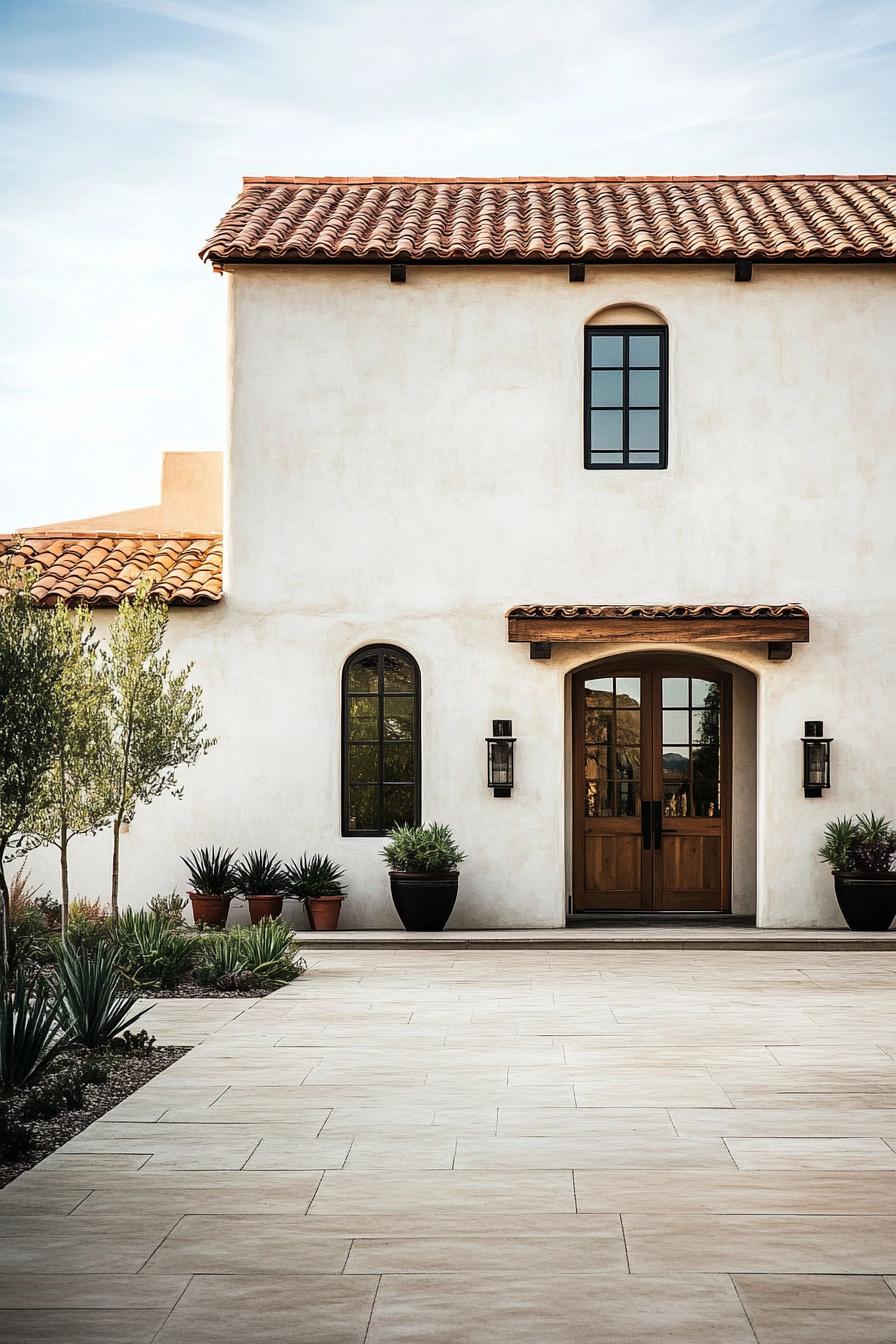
651	787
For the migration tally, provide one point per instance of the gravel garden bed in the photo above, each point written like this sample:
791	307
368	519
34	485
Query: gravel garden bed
127	1073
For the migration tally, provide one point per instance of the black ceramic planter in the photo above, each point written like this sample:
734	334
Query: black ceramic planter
424	901
868	904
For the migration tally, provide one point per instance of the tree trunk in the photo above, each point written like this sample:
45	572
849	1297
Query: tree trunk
116	832
63	866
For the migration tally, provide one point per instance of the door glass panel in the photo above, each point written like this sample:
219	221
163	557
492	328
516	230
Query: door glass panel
628	763
628	727
676	726
692	708
364	673
598	798
612	746
676	762
597	762
628	692
676	800
363	717
701	689
675	692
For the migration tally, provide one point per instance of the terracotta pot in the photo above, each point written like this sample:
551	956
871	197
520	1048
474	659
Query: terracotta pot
323	911
868	904
264	907
209	910
424	901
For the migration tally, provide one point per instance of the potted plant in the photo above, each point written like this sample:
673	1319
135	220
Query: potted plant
860	852
422	863
211	885
258	879
316	880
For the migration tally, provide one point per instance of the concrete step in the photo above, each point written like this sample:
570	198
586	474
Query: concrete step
607	938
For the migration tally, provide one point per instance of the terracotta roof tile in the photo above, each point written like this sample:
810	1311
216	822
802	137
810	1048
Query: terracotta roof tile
542	218
102	569
677	611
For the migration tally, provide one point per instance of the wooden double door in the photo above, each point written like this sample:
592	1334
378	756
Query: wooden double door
651	787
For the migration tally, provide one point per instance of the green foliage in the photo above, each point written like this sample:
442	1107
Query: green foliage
30	1033
422	849
313	875
30	668
211	871
62	1090
862	844
94	1071
150	950
156	715
75	797
133	1043
16	1139
93	1001
89	926
170	907
258	874
258	957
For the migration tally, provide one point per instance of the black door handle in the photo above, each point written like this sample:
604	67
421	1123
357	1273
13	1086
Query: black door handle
645	825
657	825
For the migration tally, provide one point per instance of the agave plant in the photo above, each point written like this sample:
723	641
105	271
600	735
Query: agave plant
422	849
211	871
94	1003
244	958
258	874
862	844
313	875
31	1035
150	949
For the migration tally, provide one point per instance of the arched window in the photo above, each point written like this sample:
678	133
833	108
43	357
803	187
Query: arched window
380	740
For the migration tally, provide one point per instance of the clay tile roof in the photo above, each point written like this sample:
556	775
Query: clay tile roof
676	612
100	570
558	219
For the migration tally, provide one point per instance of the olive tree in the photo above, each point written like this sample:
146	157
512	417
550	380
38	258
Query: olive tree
75	797
31	665
155	715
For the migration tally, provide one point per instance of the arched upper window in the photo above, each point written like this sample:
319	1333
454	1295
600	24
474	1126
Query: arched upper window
626	396
380	740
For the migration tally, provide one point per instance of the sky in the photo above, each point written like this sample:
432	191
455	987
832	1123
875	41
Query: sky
126	126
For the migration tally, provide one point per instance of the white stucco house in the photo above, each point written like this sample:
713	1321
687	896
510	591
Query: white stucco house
610	459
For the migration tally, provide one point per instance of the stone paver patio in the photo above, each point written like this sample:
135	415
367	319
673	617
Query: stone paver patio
489	1145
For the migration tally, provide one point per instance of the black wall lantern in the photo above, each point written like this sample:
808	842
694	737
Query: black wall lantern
500	757
816	759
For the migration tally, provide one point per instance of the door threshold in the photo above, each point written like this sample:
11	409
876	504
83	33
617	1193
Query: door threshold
657	919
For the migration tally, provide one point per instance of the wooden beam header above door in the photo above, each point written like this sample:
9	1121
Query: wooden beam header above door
778	625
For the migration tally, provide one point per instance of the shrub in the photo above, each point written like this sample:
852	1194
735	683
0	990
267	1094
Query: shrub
422	849
862	844
133	1043
247	958
258	874
57	1092
30	1033
30	943
150	949
93	1001
316	875
211	871
16	1139
170	907
94	1071
89	925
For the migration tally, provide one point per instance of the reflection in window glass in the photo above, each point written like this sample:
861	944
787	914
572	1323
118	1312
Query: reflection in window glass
691	747
612	746
381	748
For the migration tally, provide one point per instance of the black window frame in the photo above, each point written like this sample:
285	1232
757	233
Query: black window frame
626	331
366	651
